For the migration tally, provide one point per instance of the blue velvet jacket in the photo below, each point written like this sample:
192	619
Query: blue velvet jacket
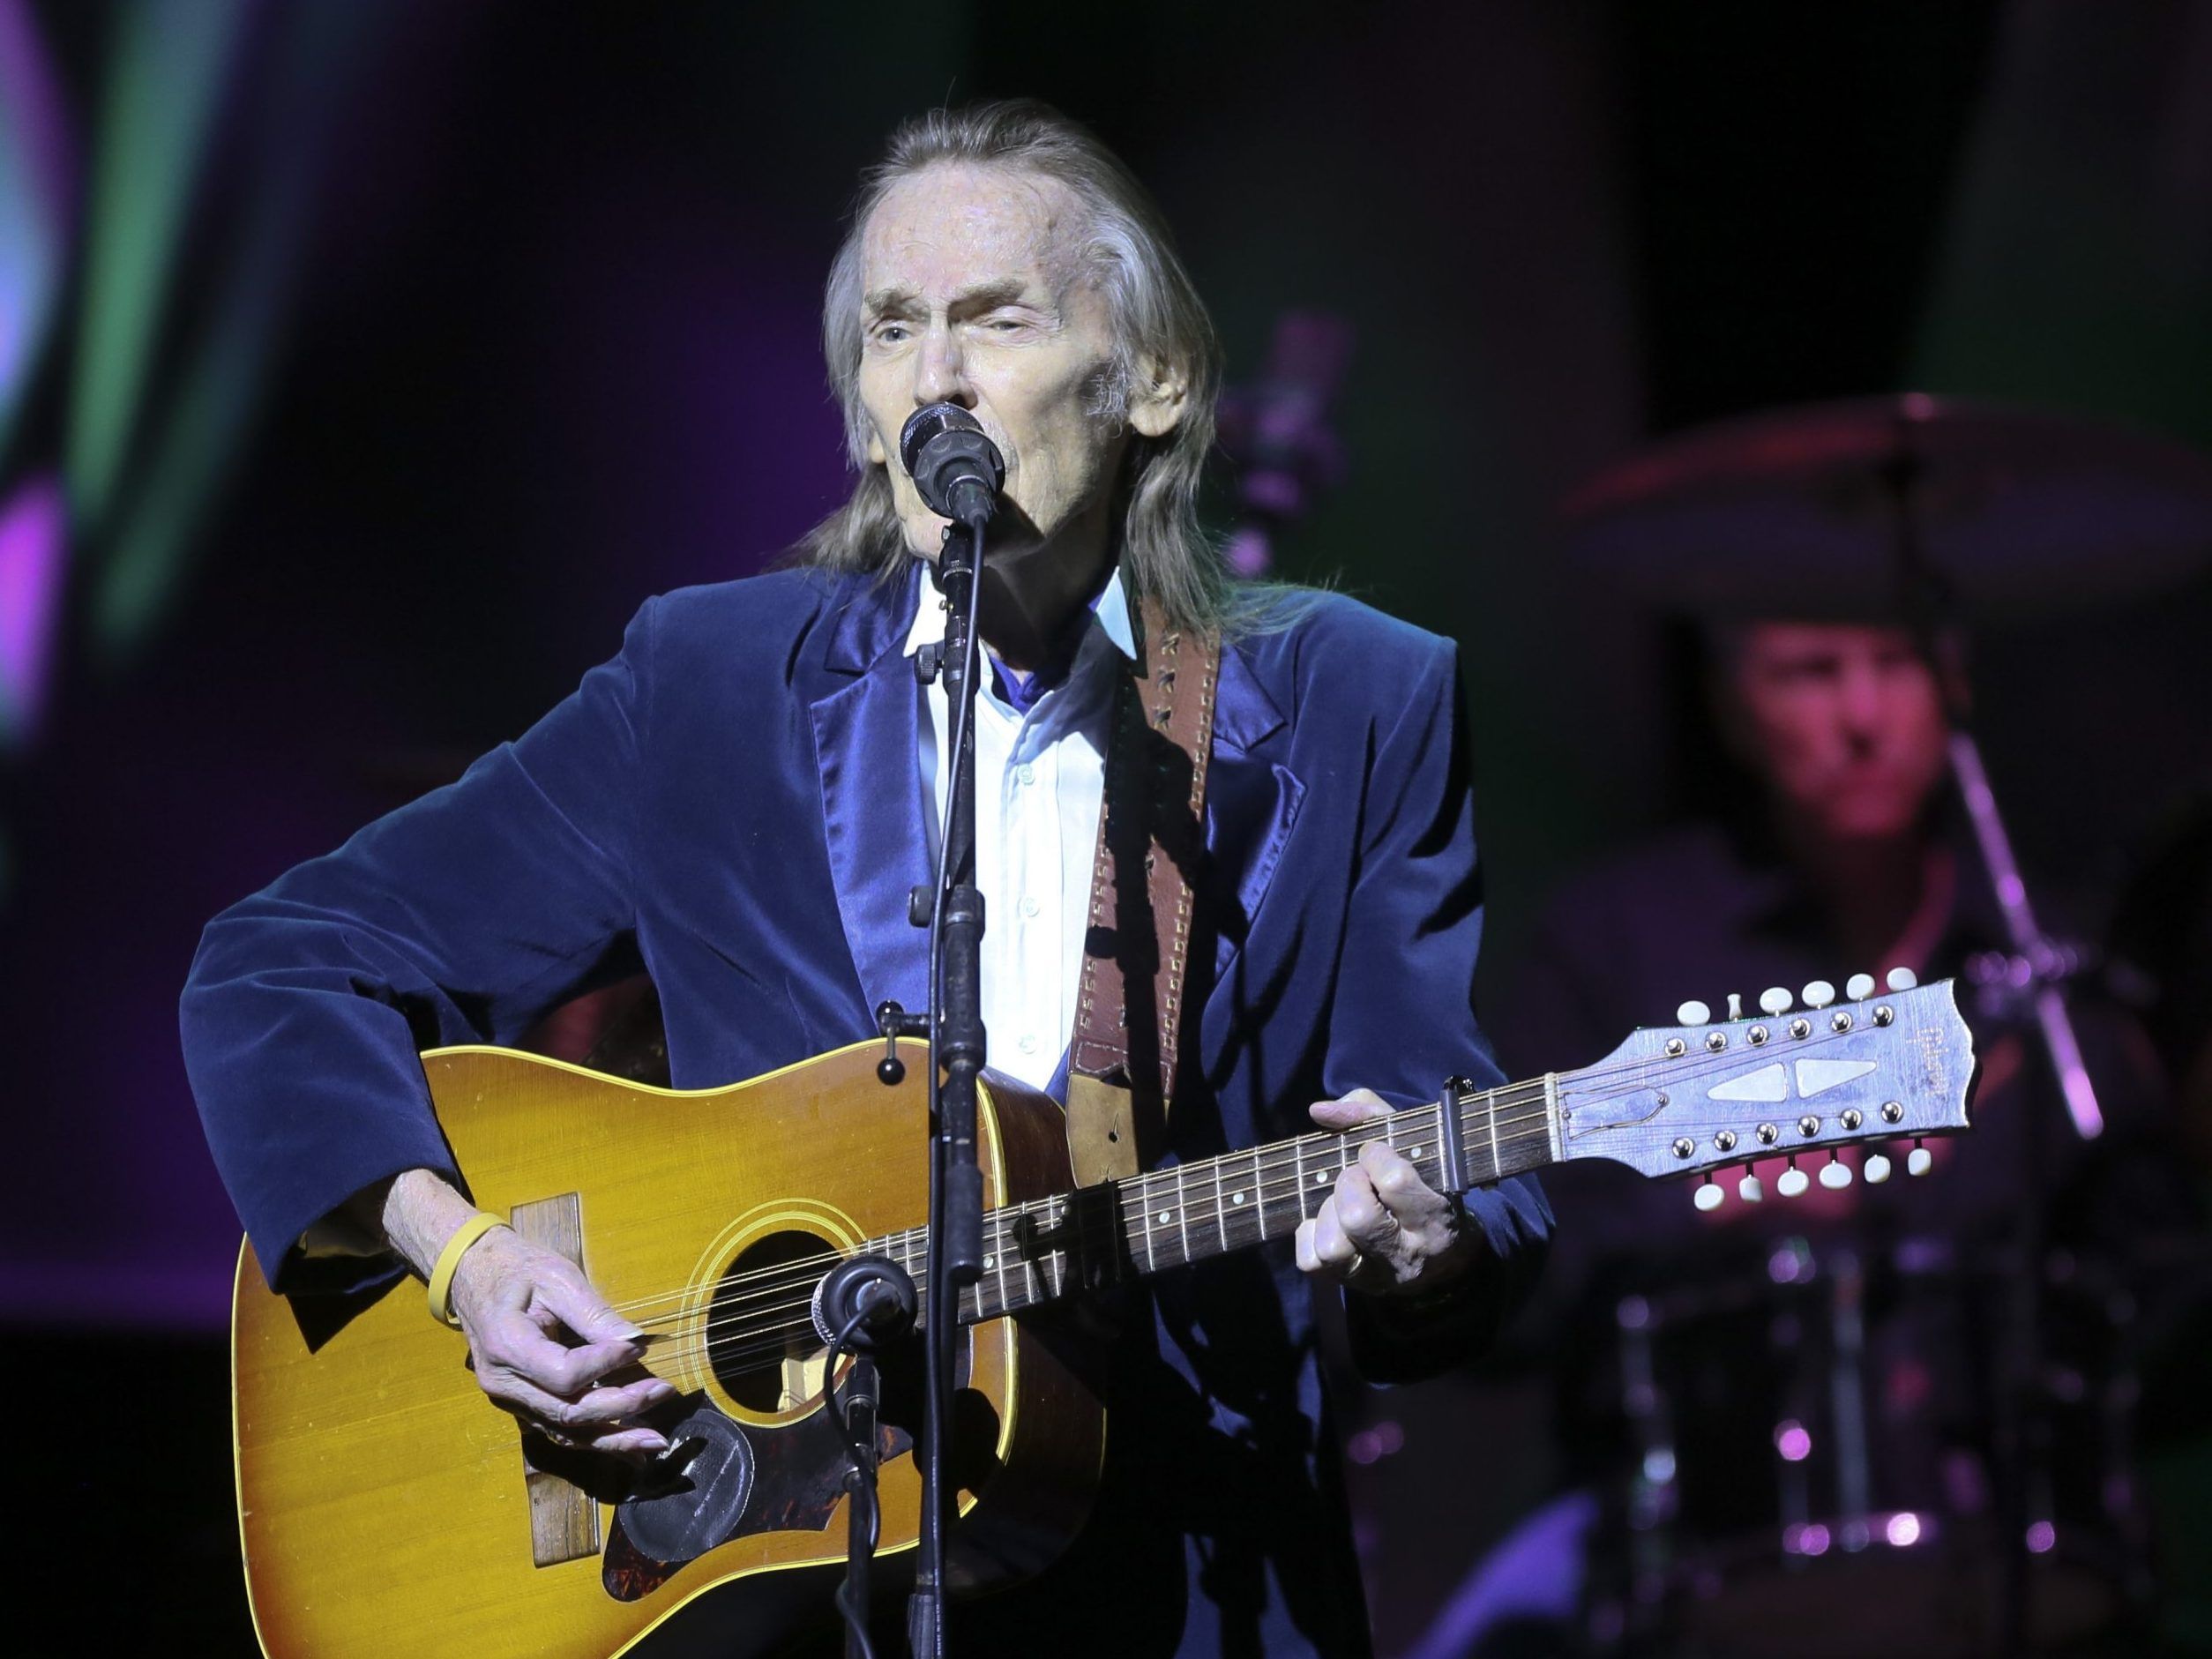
735	799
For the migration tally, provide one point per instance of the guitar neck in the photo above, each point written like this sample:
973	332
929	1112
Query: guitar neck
1040	1251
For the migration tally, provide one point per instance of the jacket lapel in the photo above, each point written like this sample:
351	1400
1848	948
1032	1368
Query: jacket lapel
866	732
1252	801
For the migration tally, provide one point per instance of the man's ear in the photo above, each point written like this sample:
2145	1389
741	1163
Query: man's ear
876	453
1156	396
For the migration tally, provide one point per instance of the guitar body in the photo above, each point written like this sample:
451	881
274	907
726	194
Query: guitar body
387	1507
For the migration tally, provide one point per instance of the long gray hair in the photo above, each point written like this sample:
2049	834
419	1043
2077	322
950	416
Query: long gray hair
1156	312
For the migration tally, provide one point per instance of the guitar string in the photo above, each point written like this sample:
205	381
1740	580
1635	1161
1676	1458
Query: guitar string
792	1294
1418	1120
702	1345
746	1337
794	1280
756	1340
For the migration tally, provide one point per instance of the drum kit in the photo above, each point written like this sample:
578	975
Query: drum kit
1903	1444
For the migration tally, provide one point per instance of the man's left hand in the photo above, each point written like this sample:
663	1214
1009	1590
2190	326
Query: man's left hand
1383	1230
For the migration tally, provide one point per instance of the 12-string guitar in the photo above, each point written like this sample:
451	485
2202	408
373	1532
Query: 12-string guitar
385	1508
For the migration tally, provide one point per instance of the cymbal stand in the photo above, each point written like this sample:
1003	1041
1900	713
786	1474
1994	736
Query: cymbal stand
1927	603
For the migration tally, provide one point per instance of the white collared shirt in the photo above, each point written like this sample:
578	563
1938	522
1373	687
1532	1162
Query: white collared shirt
1040	781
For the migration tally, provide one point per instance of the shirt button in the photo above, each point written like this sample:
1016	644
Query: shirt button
1029	907
1029	1044
1027	772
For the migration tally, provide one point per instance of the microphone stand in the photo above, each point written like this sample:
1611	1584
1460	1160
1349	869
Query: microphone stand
956	1055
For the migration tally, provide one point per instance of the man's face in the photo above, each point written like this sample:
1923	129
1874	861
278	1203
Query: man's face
1843	721
975	293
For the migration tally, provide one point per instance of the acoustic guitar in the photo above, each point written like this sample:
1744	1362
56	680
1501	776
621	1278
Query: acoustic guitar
385	1508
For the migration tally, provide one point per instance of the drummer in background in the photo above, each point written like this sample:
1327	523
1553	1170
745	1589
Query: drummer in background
1832	848
1830	845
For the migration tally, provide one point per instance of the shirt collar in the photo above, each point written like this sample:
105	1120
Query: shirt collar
1109	614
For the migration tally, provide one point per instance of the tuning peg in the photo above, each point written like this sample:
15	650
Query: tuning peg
1920	1161
1774	1000
1791	1181
1902	979
1693	1013
1750	1190
1819	994
1836	1175
1735	1006
1859	987
1708	1196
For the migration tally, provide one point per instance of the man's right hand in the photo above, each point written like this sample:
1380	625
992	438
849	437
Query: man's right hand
545	1344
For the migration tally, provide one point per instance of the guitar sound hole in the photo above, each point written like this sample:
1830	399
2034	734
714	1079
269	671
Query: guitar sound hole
762	1345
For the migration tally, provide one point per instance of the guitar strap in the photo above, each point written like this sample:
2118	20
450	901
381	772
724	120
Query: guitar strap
1136	944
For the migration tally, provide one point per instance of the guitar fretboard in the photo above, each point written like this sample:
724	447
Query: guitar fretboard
1039	1251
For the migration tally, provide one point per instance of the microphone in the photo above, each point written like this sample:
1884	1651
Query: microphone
878	1292
955	467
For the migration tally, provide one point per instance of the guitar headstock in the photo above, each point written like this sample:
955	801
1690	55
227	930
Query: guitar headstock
1706	1093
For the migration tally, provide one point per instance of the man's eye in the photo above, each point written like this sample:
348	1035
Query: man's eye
889	334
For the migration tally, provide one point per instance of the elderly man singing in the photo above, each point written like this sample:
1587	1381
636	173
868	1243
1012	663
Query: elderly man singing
743	798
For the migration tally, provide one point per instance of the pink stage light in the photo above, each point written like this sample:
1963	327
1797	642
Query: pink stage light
34	536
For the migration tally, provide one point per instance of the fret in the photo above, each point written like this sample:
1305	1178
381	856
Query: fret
1181	1214
1489	1110
1144	1220
996	1260
1220	1205
1028	1268
1259	1195
1297	1182
1055	1216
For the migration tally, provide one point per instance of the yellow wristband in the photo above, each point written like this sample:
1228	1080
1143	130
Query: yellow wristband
449	1262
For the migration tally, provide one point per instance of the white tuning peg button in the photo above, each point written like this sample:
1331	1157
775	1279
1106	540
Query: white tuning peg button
1710	1196
1693	1013
1902	979
1819	994
1875	1169
1920	1161
1859	987
1749	1190
1774	1000
1790	1183
1735	1006
1836	1175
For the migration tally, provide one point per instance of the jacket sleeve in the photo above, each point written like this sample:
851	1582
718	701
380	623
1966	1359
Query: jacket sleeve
458	918
1405	1001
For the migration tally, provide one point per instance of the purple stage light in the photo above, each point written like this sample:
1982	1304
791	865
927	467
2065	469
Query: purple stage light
34	533
1792	1441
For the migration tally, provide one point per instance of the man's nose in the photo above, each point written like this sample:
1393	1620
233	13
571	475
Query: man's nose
940	374
1861	700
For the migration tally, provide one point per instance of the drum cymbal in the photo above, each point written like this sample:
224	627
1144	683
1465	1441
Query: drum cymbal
1795	513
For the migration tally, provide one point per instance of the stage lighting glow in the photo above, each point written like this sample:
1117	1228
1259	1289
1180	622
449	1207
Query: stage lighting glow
34	191
33	539
168	72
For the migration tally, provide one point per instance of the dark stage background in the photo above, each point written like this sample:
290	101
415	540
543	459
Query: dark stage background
363	365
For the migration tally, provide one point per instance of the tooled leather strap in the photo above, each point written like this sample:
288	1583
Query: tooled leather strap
1151	837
